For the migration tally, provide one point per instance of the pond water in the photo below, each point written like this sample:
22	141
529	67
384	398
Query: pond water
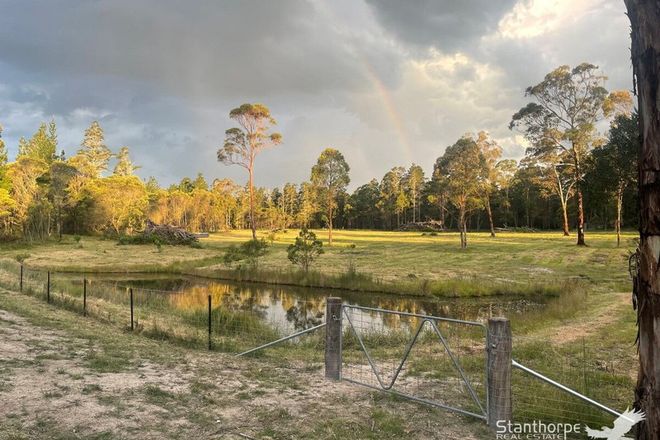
295	308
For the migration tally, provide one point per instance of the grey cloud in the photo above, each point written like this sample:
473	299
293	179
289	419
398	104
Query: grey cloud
201	49
449	25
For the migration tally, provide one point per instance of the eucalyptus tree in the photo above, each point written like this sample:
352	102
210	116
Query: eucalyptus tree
42	145
506	170
391	195
645	24
491	153
3	151
561	122
461	170
60	176
414	182
243	144
93	157
124	166
330	177
615	163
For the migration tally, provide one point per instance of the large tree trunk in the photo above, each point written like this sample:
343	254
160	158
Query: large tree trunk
645	22
330	221
253	224
564	201
441	200
462	220
564	209
619	205
490	217
580	225
529	225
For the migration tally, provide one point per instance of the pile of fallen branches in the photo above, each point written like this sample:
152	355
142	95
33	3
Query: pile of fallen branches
167	234
161	234
427	226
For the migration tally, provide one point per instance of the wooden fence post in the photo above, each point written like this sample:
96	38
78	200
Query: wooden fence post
209	322
85	296
333	331
132	325
499	372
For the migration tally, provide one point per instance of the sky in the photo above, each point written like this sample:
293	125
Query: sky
386	82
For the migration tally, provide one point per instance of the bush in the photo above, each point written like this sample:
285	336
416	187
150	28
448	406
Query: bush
305	250
249	252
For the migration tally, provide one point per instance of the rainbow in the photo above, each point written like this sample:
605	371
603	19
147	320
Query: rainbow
389	106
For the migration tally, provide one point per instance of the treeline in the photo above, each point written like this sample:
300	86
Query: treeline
569	172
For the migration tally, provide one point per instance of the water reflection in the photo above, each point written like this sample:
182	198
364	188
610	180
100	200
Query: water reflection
291	308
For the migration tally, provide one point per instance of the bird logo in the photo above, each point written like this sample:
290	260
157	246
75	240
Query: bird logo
622	426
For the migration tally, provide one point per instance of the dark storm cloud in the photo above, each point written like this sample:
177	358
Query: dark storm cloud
201	49
448	25
386	82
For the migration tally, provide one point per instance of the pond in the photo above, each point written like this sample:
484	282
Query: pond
291	308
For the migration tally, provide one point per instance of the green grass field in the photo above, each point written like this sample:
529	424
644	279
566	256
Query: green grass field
585	340
395	262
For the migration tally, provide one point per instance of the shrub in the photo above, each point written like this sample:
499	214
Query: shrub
305	250
249	252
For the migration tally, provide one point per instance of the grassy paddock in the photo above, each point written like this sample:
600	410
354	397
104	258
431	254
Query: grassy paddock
583	340
379	261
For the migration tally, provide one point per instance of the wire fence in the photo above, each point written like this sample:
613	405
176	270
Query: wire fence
585	370
436	361
218	318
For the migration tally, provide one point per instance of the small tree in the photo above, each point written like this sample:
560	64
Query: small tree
305	250
250	252
330	177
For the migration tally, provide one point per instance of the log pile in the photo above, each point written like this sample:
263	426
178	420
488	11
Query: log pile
167	234
427	226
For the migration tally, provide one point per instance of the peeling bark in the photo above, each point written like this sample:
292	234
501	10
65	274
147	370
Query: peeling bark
645	23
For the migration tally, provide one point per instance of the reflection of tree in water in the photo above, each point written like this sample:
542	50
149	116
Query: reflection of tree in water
303	316
249	299
303	308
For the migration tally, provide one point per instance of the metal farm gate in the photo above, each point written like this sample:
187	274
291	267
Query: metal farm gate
429	359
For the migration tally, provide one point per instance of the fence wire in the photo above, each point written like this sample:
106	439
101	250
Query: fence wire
587	371
377	352
239	321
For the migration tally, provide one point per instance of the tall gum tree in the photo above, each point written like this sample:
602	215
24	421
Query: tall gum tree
561	123
491	153
645	50
330	177
461	170
242	145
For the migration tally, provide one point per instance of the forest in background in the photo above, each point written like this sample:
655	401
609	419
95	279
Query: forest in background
569	169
